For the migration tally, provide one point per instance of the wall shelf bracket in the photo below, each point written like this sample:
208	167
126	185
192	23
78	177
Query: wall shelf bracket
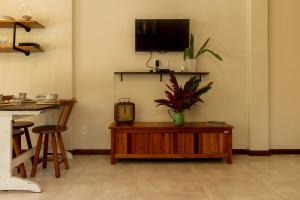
27	53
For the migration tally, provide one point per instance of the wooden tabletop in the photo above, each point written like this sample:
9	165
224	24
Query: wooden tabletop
167	125
28	107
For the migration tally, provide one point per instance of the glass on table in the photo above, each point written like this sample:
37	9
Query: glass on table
17	101
40	98
23	95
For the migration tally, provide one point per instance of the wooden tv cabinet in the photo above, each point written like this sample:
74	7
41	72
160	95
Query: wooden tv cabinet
164	140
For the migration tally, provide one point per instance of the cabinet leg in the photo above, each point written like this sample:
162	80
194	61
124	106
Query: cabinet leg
229	159
113	160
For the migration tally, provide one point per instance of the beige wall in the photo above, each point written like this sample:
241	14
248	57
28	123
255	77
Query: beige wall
40	73
284	74
104	43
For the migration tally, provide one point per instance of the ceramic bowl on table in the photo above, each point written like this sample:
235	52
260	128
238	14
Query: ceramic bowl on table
51	97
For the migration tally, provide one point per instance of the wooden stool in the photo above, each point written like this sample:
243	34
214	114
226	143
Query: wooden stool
24	125
17	150
55	132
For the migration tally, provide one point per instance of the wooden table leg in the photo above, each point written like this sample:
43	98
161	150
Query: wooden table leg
7	181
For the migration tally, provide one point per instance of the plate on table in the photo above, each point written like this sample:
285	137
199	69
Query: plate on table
28	100
5	104
47	102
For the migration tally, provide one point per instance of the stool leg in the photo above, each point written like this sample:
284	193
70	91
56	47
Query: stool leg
37	155
29	145
14	155
63	151
17	149
45	153
55	156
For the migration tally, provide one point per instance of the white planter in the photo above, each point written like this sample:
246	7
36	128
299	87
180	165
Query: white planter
190	65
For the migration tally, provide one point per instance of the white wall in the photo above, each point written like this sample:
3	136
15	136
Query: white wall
284	74
104	43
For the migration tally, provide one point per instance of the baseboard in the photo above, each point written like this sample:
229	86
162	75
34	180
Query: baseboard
250	153
266	152
234	151
285	151
260	153
240	151
91	151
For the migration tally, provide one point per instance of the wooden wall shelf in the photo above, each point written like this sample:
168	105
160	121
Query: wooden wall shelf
29	24
27	48
200	74
25	24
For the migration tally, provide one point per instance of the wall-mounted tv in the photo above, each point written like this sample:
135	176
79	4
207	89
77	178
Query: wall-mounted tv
164	35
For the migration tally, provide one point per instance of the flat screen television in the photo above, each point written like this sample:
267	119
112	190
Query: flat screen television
164	35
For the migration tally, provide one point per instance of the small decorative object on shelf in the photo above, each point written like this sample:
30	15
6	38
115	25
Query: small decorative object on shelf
26	12
4	41
124	111
190	59
181	98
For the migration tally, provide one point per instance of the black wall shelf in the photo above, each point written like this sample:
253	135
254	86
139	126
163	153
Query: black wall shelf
200	74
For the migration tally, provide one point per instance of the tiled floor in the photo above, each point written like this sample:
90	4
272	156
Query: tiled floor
92	178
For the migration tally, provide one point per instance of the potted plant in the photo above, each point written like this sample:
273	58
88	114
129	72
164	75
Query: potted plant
181	98
190	59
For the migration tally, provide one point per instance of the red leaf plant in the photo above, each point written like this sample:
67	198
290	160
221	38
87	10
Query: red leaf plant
181	98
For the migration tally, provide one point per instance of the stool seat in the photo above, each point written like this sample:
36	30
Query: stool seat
22	124
48	129
17	132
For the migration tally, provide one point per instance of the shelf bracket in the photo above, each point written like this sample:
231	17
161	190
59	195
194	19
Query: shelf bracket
27	29
27	53
161	75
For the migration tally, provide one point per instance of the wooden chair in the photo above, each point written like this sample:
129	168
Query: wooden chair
55	132
17	150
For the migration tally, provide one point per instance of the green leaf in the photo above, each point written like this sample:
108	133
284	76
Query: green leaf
191	46
215	54
186	53
202	48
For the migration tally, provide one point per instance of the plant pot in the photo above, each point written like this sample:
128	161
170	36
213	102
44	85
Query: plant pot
178	118
190	65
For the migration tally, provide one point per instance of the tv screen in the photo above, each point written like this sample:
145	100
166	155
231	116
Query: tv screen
161	34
